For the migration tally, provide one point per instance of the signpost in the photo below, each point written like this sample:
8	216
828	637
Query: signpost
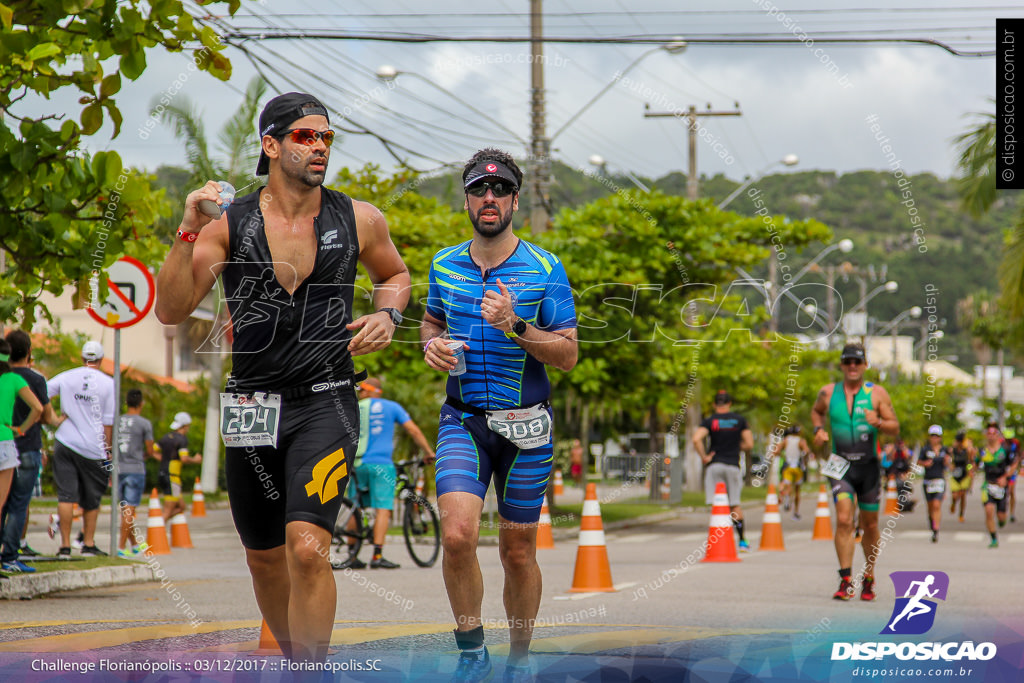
132	291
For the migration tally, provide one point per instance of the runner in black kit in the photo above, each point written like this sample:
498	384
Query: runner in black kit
856	411
962	475
287	256
934	458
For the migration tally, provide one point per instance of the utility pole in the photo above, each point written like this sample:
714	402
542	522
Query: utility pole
539	144
691	117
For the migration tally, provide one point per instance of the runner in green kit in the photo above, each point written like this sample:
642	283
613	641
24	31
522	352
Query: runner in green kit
994	458
857	411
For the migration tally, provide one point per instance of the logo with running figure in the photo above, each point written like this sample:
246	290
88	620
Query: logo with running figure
914	612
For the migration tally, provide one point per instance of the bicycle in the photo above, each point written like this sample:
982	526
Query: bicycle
420	523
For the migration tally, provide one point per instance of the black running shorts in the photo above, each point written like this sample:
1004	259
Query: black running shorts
302	479
863	480
79	479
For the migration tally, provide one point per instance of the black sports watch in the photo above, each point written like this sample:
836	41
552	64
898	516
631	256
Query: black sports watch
396	315
518	328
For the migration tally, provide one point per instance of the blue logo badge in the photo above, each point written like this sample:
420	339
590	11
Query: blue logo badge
914	611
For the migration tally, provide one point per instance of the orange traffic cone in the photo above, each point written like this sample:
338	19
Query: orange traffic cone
268	643
559	487
892	499
156	532
198	502
771	527
721	543
822	518
180	538
545	540
592	573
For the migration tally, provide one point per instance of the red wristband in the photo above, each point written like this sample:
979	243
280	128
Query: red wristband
187	236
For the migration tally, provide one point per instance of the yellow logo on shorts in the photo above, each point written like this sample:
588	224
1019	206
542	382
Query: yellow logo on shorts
326	474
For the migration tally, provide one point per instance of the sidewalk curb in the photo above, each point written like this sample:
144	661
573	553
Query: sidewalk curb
28	586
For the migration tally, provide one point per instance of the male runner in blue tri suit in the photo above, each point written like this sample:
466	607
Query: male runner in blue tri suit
510	302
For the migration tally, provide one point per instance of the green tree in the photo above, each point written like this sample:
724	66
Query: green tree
66	213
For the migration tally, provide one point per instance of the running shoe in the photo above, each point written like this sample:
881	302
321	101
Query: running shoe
53	528
381	563
28	551
517	674
961	519
64	553
17	567
352	562
994	543
79	541
867	589
845	591
744	546
125	554
935	536
92	551
141	548
796	516
473	667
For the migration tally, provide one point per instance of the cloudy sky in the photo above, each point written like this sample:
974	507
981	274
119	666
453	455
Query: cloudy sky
807	99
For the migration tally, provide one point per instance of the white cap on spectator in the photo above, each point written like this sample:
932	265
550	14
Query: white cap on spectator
92	350
180	420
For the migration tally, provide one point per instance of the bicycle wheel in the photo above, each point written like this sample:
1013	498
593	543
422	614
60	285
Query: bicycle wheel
348	530
422	531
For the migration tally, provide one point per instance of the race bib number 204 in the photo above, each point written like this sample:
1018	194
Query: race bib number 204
249	419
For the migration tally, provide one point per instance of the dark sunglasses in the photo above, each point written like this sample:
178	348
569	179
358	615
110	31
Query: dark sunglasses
500	189
308	136
851	361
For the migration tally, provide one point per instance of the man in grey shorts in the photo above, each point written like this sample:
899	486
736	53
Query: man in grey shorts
728	434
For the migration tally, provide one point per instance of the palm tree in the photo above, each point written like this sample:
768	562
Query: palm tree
239	155
977	185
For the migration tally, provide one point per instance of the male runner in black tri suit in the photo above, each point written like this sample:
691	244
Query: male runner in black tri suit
286	254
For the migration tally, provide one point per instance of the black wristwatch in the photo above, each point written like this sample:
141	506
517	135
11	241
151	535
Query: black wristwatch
396	315
817	428
518	328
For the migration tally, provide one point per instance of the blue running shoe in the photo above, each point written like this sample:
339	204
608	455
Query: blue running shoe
744	547
473	667
17	566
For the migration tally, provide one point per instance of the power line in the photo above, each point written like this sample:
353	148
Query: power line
342	34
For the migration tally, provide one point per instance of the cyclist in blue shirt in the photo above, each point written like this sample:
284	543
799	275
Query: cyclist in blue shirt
510	304
375	468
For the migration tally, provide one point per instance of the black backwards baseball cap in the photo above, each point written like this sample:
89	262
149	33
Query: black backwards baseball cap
489	169
280	112
853	351
723	397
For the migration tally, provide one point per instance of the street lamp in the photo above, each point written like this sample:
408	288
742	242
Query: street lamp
844	245
674	47
891	286
788	160
602	165
894	325
388	73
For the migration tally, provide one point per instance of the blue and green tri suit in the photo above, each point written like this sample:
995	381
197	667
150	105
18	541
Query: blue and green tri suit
856	441
499	373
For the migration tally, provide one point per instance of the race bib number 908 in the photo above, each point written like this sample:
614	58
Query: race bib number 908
249	420
525	427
